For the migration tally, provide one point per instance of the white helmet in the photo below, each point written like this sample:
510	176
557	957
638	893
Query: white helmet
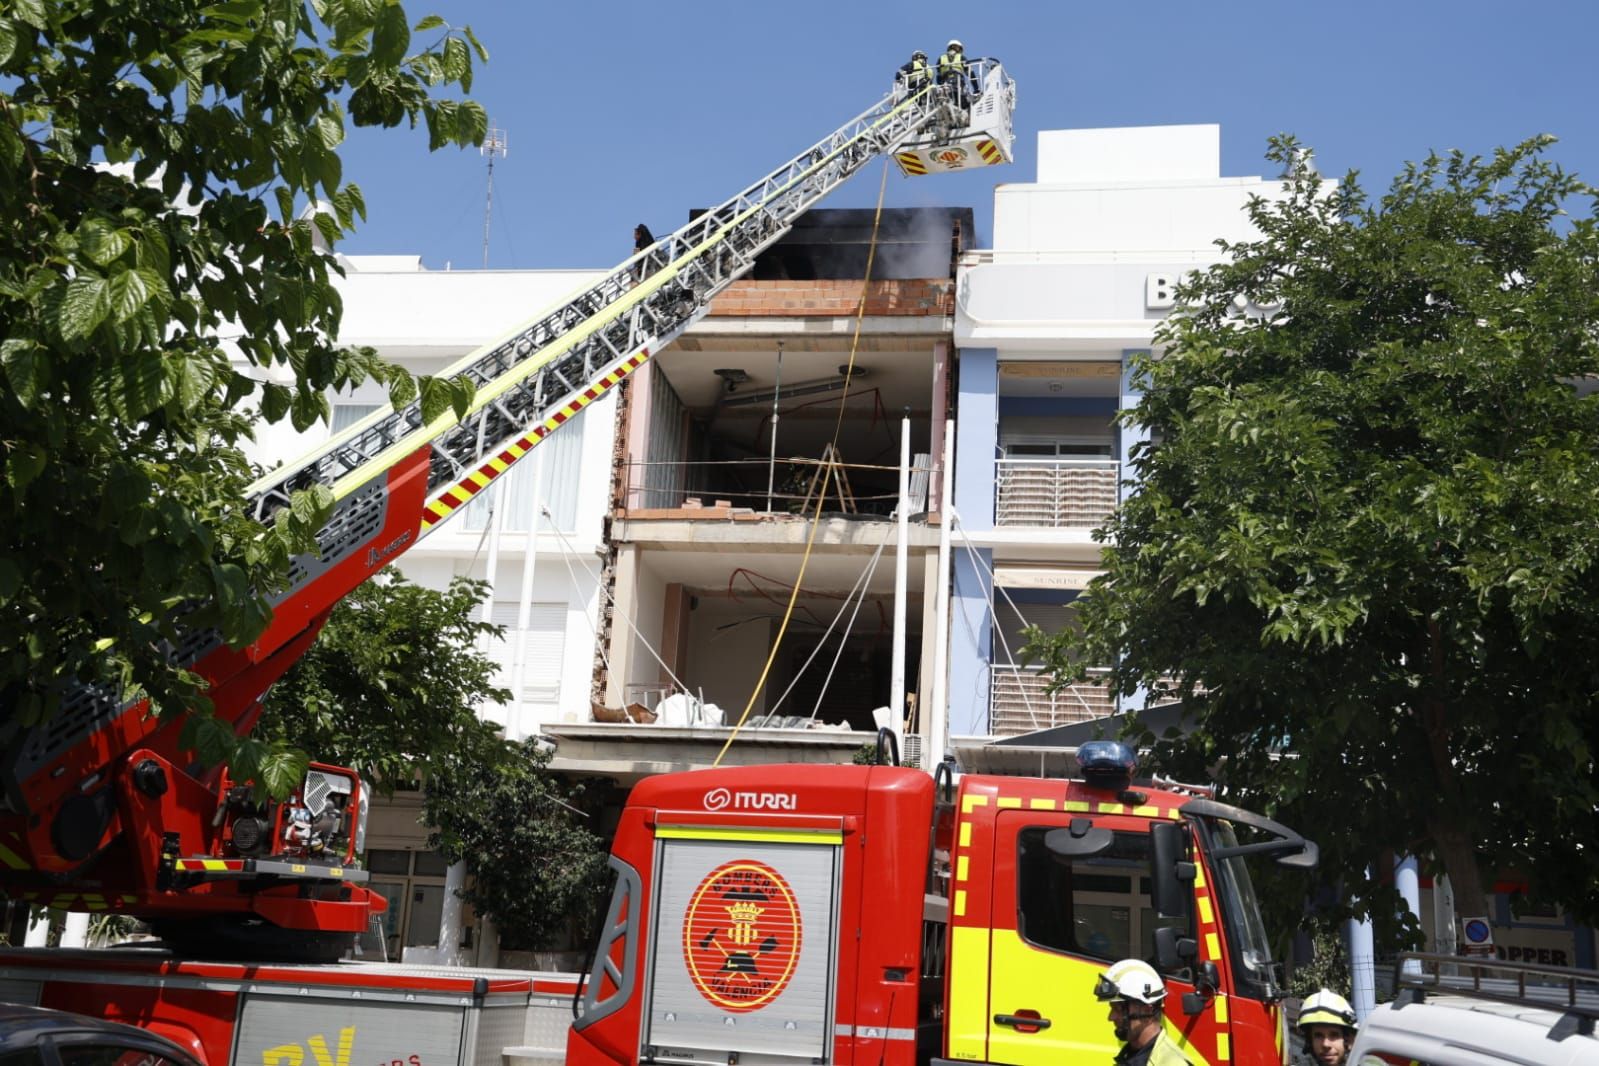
954	43
1326	1007
1132	979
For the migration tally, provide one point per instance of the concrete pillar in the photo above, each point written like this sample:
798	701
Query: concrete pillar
1362	968
940	412
625	606
1408	882
75	930
977	422
924	672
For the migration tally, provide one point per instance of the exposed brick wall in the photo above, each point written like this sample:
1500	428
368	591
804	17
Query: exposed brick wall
915	296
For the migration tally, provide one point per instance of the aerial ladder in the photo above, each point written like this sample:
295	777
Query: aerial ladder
101	808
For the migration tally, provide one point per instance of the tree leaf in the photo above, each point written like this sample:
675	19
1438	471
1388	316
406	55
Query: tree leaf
129	291
27	368
84	305
390	35
32	12
103	243
429	22
437	397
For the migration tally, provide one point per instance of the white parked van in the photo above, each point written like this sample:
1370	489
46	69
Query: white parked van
1469	1012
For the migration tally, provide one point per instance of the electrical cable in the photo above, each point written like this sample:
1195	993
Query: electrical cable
860	583
837	655
827	473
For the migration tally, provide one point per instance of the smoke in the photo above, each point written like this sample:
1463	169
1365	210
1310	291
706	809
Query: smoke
834	244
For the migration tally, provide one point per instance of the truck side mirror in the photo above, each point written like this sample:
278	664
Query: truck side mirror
1173	951
1206	982
1168	871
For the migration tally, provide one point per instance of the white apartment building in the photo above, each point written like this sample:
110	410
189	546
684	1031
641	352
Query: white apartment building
546	590
1076	283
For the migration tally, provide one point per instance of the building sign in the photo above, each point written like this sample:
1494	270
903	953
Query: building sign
741	936
1160	294
1076	368
1037	577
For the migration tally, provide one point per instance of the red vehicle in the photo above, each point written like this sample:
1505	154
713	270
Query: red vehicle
805	914
235	1014
101	808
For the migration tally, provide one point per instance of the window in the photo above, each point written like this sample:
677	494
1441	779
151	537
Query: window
413	884
110	1055
561	454
1067	448
346	415
544	642
1098	907
28	1056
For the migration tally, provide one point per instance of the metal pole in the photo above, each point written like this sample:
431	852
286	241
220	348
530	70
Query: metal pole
938	706
524	611
771	463
896	685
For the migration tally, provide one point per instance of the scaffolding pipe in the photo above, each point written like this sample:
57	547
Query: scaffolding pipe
938	708
896	683
771	463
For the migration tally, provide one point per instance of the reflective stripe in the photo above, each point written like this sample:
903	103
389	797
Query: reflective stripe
872	1032
758	836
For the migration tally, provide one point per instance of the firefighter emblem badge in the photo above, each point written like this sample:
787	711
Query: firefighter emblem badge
741	935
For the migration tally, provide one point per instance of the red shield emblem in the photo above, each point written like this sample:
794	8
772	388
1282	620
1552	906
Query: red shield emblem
741	936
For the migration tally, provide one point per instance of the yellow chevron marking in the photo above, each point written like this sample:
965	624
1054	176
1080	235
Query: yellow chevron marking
1205	914
1223	1051
1076	807
962	868
1112	808
12	859
1042	805
458	494
478	478
1221	1008
1009	802
1212	947
969	802
1147	812
960	903
966	834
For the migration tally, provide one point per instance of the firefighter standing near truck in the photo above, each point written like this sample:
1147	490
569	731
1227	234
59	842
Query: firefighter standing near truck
1135	993
1327	1022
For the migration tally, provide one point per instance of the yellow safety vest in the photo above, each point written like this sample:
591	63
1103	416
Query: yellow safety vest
951	66
1165	1053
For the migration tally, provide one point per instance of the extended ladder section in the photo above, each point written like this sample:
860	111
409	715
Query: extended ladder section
396	476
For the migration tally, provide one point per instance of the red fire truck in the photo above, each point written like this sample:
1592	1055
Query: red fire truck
805	914
241	1014
103	809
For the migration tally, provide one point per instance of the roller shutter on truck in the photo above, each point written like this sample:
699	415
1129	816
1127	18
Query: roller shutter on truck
742	960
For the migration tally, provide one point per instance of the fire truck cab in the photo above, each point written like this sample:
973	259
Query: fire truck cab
804	914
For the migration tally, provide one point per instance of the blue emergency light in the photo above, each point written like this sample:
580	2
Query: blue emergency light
1107	764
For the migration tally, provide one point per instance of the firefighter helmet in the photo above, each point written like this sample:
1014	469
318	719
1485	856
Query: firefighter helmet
918	54
954	43
1131	979
1326	1007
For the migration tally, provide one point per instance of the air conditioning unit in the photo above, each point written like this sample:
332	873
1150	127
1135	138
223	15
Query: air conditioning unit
912	756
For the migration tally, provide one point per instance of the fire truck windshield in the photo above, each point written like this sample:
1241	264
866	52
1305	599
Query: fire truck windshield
1254	971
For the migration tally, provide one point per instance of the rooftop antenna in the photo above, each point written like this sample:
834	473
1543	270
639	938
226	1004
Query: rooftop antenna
494	143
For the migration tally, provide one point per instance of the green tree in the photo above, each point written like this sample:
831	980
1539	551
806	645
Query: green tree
1368	522
537	865
153	156
392	686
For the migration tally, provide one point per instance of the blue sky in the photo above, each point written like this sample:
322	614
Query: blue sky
631	111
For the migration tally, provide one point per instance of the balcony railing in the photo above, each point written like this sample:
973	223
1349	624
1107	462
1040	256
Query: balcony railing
1018	700
1056	493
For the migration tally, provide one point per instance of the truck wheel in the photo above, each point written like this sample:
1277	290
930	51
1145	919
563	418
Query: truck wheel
246	940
